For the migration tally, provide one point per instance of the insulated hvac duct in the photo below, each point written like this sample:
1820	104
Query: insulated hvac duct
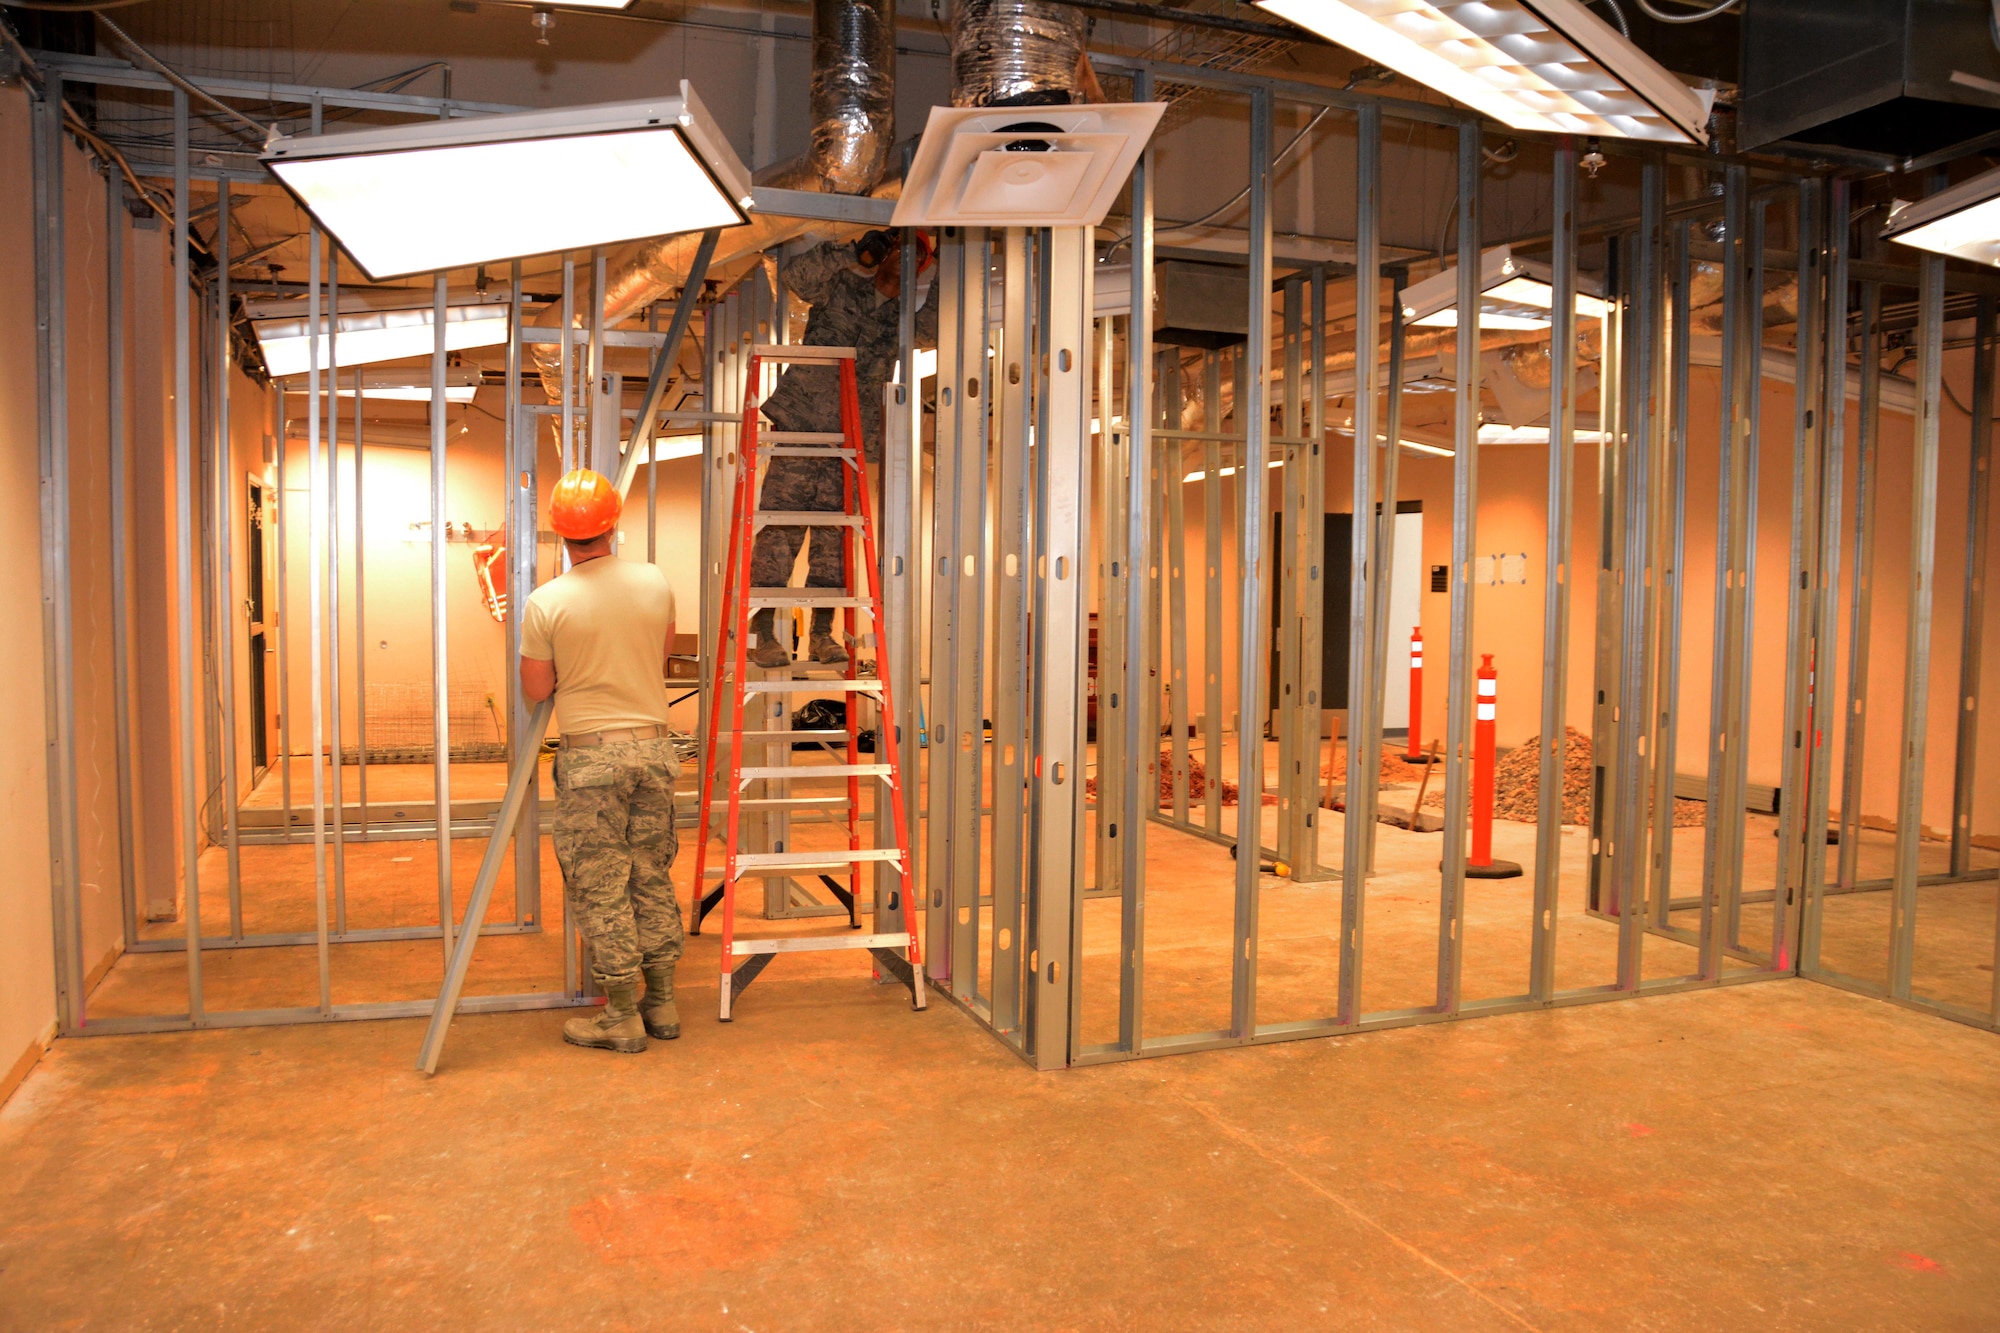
1015	53
853	109
853	97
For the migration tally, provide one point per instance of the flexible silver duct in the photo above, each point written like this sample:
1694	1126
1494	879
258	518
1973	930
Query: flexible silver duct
853	97
1015	52
853	107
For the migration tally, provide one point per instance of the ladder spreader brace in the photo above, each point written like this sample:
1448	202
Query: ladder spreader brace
743	959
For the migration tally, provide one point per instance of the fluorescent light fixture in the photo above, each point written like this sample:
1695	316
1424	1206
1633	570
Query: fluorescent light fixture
1493	432
1419	447
1548	65
1025	166
379	335
666	448
398	386
1514	294
1963	221
1227	471
434	195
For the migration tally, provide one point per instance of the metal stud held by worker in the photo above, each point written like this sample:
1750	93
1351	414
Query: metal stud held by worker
585	506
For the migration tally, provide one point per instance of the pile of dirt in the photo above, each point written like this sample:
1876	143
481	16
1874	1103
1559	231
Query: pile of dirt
1197	783
1395	769
1517	785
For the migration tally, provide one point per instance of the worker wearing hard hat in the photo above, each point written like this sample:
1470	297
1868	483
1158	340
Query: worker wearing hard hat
597	637
857	301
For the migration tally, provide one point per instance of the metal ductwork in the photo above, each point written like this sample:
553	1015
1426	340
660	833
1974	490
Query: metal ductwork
853	107
1015	52
853	97
1898	77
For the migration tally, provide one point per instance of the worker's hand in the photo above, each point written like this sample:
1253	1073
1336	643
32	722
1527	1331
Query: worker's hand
876	246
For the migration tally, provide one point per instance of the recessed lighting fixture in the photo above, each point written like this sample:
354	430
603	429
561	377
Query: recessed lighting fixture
1963	221
1493	432
1419	447
666	448
433	195
1514	294
376	335
398	386
1548	65
1227	471
1024	166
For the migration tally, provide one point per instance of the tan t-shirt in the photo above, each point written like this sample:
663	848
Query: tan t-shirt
604	625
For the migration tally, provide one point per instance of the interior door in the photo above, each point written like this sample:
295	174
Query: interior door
259	660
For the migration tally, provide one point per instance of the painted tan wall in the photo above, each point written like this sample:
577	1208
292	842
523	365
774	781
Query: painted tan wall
27	947
396	562
1508	619
27	961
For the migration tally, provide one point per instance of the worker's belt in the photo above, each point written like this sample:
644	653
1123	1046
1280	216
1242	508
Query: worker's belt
585	740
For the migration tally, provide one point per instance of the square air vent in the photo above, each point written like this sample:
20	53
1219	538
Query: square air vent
1039	166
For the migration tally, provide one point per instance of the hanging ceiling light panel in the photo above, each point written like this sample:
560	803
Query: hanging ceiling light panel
1032	166
436	195
461	383
1514	294
1963	221
376	335
1546	65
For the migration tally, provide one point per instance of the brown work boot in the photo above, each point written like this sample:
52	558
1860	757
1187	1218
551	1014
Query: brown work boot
770	653
826	650
662	1016
615	1027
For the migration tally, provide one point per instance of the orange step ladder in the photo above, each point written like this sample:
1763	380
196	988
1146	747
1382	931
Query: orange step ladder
743	959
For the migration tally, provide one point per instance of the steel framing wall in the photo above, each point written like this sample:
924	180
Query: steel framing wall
1035	519
983	898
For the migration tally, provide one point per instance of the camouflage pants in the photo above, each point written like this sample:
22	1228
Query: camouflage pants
800	484
614	836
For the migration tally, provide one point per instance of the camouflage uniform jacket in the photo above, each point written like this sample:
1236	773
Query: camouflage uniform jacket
847	311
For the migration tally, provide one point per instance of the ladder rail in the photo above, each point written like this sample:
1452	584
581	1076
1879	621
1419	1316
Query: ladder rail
708	748
885	740
741	960
747	461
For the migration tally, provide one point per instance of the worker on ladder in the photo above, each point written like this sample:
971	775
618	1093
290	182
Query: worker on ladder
855	293
597	637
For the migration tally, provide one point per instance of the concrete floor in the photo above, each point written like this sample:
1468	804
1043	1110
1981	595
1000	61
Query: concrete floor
1780	1153
1784	1155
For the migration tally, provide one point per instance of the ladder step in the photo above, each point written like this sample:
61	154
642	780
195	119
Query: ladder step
776	872
801	437
759	859
838	685
800	772
789	802
801	353
806	597
809	943
723	738
805	518
784	451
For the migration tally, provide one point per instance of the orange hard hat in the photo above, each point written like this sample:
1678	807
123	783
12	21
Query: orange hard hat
585	506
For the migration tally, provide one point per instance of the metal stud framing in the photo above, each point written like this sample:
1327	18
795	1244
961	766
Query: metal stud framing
1014	571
